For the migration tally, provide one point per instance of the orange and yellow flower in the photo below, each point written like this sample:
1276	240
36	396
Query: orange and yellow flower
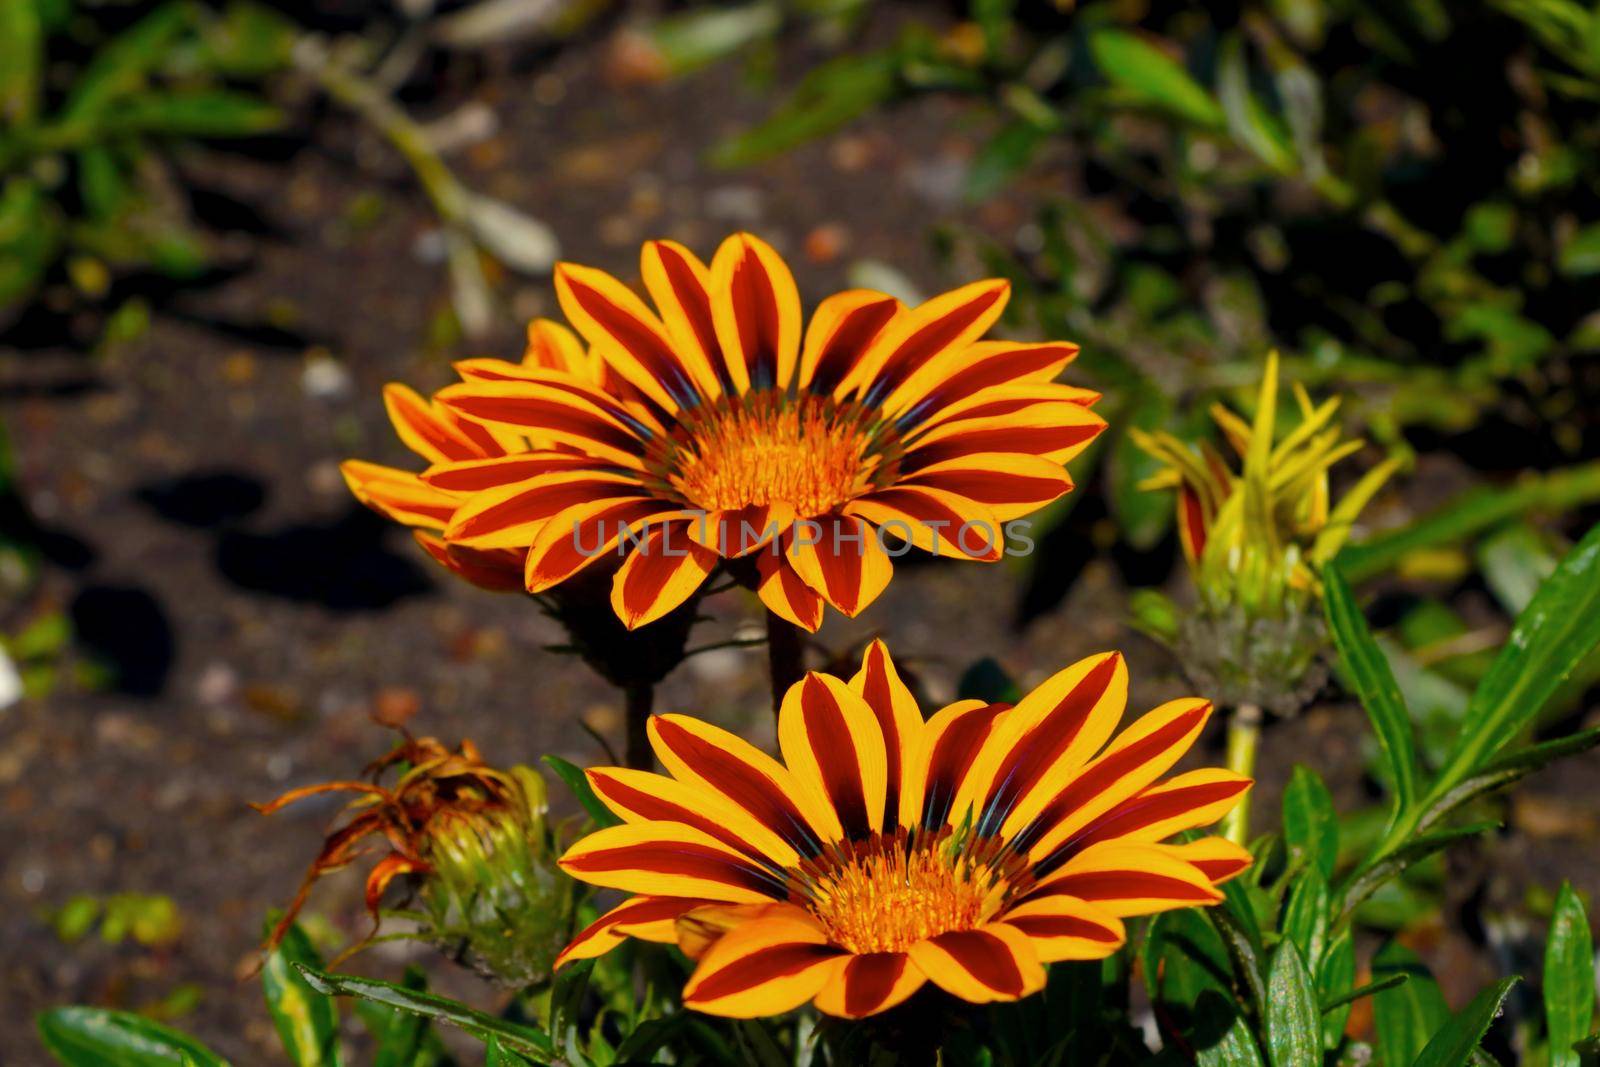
720	425
886	852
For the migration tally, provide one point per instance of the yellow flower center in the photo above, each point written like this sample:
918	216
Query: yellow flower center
888	898
767	448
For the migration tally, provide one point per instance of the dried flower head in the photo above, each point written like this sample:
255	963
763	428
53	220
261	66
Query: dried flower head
475	838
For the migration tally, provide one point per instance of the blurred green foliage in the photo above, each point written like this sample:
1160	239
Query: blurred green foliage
1400	195
94	102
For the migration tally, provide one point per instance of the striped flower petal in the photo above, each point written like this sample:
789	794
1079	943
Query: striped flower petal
669	859
756	309
765	967
641	796
870	983
628	337
722	763
646	918
1061	927
831	740
842	331
1130	879
991	963
680	286
899	723
843	562
662	573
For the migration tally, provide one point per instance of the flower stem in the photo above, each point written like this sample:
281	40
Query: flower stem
785	656
1244	730
640	699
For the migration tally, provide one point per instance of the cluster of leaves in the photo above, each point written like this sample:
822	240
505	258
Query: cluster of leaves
1328	178
1268	978
91	106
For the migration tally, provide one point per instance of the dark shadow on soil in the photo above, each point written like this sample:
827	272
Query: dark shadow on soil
126	629
204	501
343	565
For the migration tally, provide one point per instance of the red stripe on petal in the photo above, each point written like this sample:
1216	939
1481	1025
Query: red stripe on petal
681	858
739	782
987	958
952	757
828	735
758	968
870	979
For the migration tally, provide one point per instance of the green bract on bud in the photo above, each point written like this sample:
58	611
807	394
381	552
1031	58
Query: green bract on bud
470	843
1256	539
495	900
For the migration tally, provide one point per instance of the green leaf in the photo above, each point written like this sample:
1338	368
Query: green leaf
688	41
1568	978
1501	772
1368	671
1235	1046
121	67
1335	975
1404	1015
1551	637
522	1039
1147	77
307	1021
1471	514
202	113
1458	1039
1251	124
21	62
400	1035
30	235
1006	155
96	1037
1294	1026
1365	881
1580	256
497	1055
578	782
1309	822
1515	562
100	182
1305	916
828	97
249	40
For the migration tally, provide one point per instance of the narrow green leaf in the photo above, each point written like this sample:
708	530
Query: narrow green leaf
21	62
1006	155
1305	916
522	1039
828	97
1405	1015
497	1055
1364	882
307	1021
1368	671
1580	256
1234	1046
96	1037
1251	124
201	113
1309	822
1148	77
400	1035
1335	976
1368	990
1294	1028
1515	561
121	67
1457	1040
1568	978
578	782
1472	513
1559	628
1504	770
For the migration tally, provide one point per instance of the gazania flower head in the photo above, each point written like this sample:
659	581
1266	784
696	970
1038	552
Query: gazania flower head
885	852
720	427
1256	540
1259	536
475	837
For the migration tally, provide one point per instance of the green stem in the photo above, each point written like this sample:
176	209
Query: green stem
1244	731
785	656
640	700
